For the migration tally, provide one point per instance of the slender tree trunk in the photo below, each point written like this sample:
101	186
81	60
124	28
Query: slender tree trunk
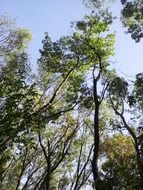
48	176
96	149
48	181
47	155
46	184
140	167
96	137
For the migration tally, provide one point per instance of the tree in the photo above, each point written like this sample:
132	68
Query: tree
71	59
13	76
119	168
119	96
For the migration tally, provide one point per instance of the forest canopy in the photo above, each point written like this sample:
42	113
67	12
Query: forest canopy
76	123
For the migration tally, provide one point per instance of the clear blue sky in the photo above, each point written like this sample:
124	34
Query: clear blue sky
54	17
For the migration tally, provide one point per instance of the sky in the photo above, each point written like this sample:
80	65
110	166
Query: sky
55	16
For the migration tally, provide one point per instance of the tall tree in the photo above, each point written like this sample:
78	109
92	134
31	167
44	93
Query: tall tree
70	60
13	76
120	98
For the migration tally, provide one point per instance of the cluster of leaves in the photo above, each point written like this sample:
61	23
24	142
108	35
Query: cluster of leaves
132	18
131	14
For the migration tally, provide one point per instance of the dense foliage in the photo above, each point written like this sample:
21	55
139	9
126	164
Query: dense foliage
75	124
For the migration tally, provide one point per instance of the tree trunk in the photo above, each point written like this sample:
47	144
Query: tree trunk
96	137
48	181
140	167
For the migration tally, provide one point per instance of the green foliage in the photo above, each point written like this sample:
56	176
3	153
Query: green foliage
131	14
13	76
47	126
138	88
132	18
12	39
118	88
119	168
